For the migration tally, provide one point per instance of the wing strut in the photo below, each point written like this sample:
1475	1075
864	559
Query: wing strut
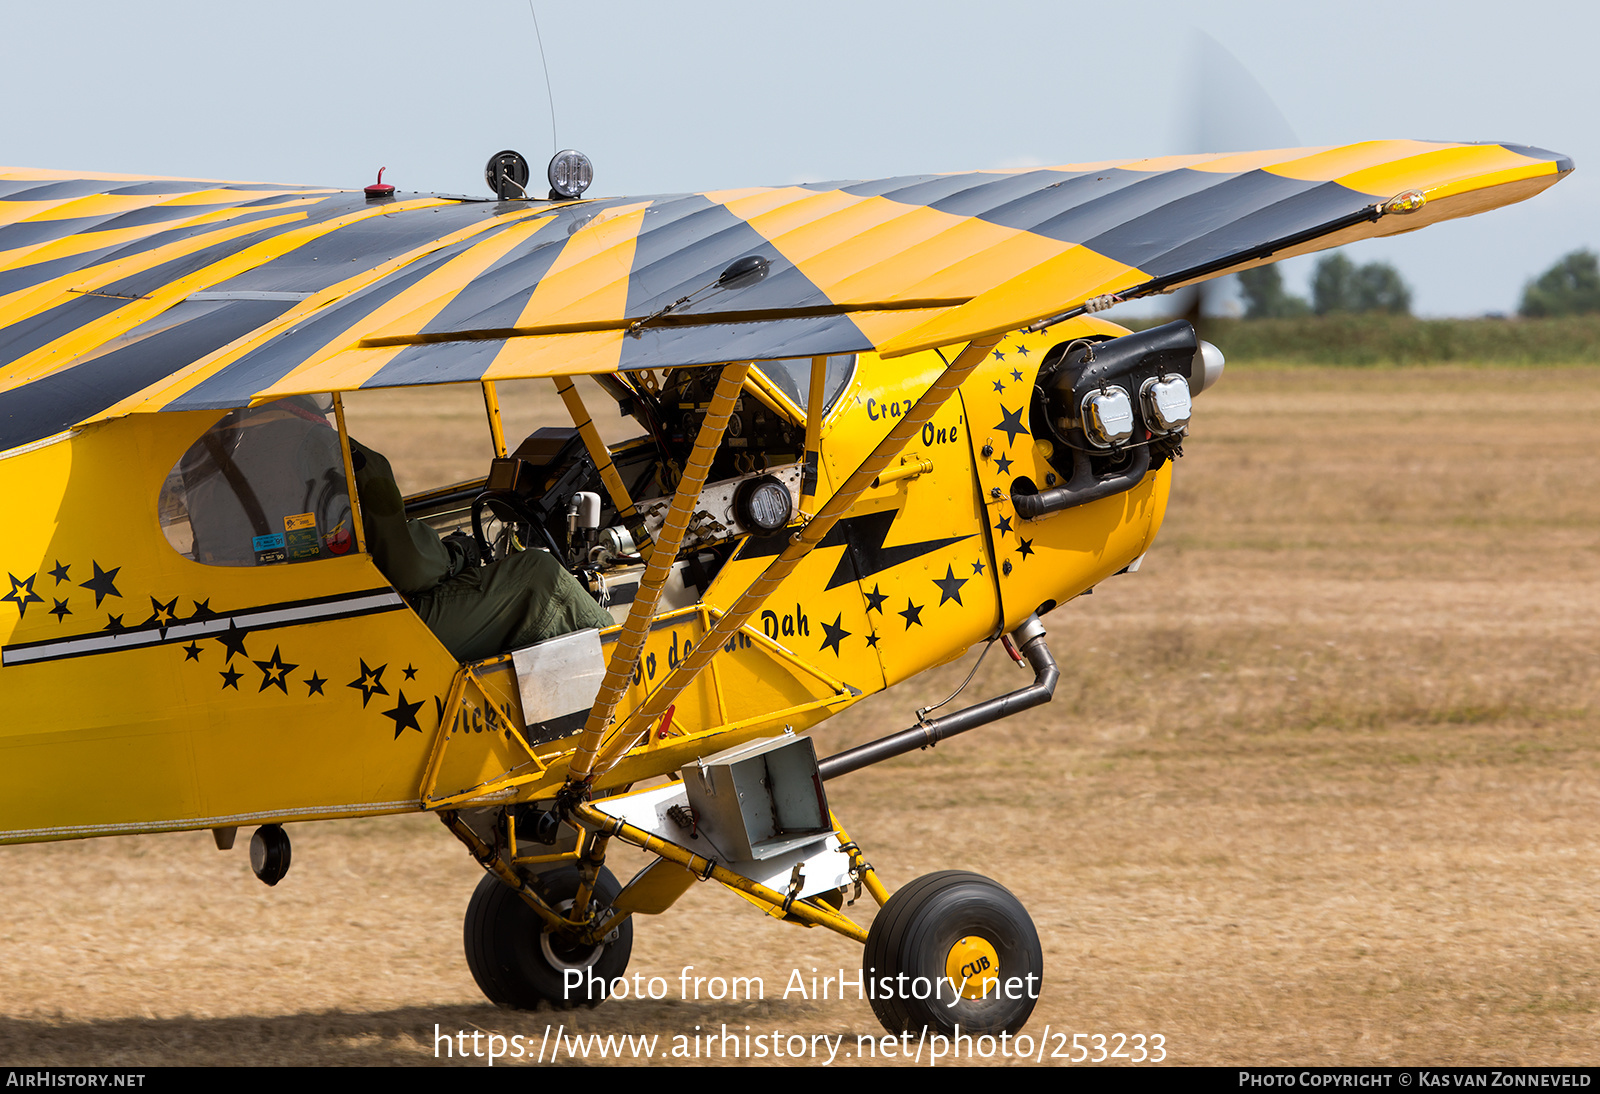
601	455
625	656
800	545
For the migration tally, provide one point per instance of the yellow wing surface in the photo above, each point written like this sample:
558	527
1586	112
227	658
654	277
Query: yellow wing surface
123	294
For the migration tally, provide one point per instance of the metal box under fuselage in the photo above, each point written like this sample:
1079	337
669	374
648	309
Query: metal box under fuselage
760	799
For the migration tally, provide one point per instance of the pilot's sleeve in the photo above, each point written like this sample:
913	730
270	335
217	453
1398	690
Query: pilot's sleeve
409	553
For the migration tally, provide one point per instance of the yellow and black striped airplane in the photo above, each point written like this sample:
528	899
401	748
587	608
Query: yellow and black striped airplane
879	424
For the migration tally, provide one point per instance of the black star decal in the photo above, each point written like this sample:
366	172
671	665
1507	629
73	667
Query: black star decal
162	615
1022	349
232	640
411	673
60	611
1002	465
950	585
60	572
1024	547
114	624
26	589
275	673
998	386
404	715
875	600
872	641
998	356
371	683
836	634
314	685
230	678
1012	424
1004	526
1016	374
977	567
913	614
191	652
202	610
103	583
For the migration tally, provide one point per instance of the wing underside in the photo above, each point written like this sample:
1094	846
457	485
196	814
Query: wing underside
122	295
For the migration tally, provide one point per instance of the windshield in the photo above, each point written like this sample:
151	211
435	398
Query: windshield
792	376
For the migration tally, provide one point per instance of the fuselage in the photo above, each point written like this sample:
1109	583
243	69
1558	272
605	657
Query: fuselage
146	691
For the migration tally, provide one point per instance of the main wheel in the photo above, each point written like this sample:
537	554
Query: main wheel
518	962
953	949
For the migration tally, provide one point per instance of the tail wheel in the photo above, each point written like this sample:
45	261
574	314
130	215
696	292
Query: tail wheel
518	962
953	949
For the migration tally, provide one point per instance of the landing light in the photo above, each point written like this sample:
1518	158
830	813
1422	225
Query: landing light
507	175
570	174
763	505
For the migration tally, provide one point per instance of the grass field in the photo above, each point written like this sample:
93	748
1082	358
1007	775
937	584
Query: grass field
1319	785
1368	338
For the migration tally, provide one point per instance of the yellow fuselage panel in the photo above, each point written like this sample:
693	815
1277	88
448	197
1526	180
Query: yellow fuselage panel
147	691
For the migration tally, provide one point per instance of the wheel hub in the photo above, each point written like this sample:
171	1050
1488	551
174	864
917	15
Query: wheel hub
566	951
972	965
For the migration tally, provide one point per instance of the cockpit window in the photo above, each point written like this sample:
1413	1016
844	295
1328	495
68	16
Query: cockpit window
264	485
792	376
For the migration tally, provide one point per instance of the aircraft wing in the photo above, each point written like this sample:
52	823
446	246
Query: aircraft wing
124	294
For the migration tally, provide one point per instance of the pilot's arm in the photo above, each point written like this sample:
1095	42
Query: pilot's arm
409	553
477	613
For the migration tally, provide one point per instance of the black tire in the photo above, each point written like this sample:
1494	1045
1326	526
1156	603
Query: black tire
917	933
518	963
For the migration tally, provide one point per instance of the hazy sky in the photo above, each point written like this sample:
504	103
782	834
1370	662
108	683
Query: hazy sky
692	96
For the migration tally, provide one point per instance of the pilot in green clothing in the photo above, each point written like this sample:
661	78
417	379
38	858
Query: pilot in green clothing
476	612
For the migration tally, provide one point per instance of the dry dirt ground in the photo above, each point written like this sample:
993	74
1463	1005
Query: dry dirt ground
1319	785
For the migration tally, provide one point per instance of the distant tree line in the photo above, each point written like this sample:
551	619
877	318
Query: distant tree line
1338	285
1570	287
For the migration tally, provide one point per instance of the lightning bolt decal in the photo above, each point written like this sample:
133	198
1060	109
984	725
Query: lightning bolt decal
864	555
